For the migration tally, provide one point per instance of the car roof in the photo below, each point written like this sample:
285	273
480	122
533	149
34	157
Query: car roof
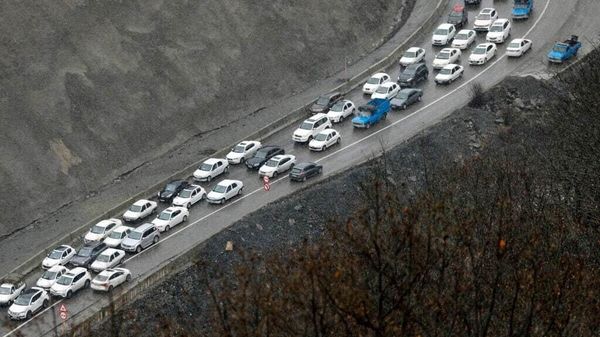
92	244
445	25
279	157
30	292
105	222
518	40
415	65
109	251
451	65
122	229
499	22
143	227
447	49
228	182
76	270
62	248
211	161
141	202
328	131
6	285
303	165
413	49
268	148
485	44
486	10
316	117
409	90
57	268
388	84
378	75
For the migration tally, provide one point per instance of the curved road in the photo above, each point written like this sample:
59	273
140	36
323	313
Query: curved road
552	20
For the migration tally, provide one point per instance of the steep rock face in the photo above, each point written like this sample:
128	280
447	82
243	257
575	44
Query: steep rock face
90	89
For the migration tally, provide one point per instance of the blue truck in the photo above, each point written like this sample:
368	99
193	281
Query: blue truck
522	9
562	51
371	113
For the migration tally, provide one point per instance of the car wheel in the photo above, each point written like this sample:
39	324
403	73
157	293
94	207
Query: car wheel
304	178
222	201
404	106
338	141
128	278
29	315
208	179
275	174
69	294
368	125
189	205
87	284
341	119
226	170
419	98
45	304
185	217
239	192
155	239
110	288
138	249
168	228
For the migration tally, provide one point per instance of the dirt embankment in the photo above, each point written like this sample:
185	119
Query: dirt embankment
92	89
512	108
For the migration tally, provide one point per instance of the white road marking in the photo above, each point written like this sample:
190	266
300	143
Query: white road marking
318	160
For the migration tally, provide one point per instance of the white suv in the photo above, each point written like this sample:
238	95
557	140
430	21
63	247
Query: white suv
499	31
71	282
310	127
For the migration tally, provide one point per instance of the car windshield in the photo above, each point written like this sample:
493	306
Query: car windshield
402	95
296	170
339	106
206	167
410	54
185	193
446	71
4	291
220	189
261	154
514	45
373	80
23	300
441	31
560	48
443	56
323	100
134	235
272	163
321	137
462	36
65	280
56	254
479	50
306	126
115	235
164	215
85	251
366	110
238	149
496	28
483	17
170	187
455	15
409	71
49	275
101	278
98	229
103	258
135	208
382	90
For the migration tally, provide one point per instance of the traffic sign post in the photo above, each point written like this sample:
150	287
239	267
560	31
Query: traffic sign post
63	312
266	184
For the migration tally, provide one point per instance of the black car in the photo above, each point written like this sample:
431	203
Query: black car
413	74
406	97
459	16
263	155
87	254
171	190
325	102
472	2
303	171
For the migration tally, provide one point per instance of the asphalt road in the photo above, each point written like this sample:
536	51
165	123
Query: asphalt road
552	20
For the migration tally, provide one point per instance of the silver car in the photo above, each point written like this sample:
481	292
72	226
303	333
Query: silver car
141	238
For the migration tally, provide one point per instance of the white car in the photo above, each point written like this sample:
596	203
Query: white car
411	56
139	210
518	47
386	91
108	259
224	191
325	139
449	74
310	127
117	236
189	196
50	276
101	230
340	110
28	303
10	291
443	34
445	57
485	19
171	217
61	255
211	168
111	278
277	164
374	82
482	53
499	31
76	279
464	39
243	151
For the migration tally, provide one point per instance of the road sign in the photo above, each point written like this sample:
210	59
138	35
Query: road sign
266	179
63	315
266	184
62	308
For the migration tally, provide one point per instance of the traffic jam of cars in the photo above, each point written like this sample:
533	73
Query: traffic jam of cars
96	264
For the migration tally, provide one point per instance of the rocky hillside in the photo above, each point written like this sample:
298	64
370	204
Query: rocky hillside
92	89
